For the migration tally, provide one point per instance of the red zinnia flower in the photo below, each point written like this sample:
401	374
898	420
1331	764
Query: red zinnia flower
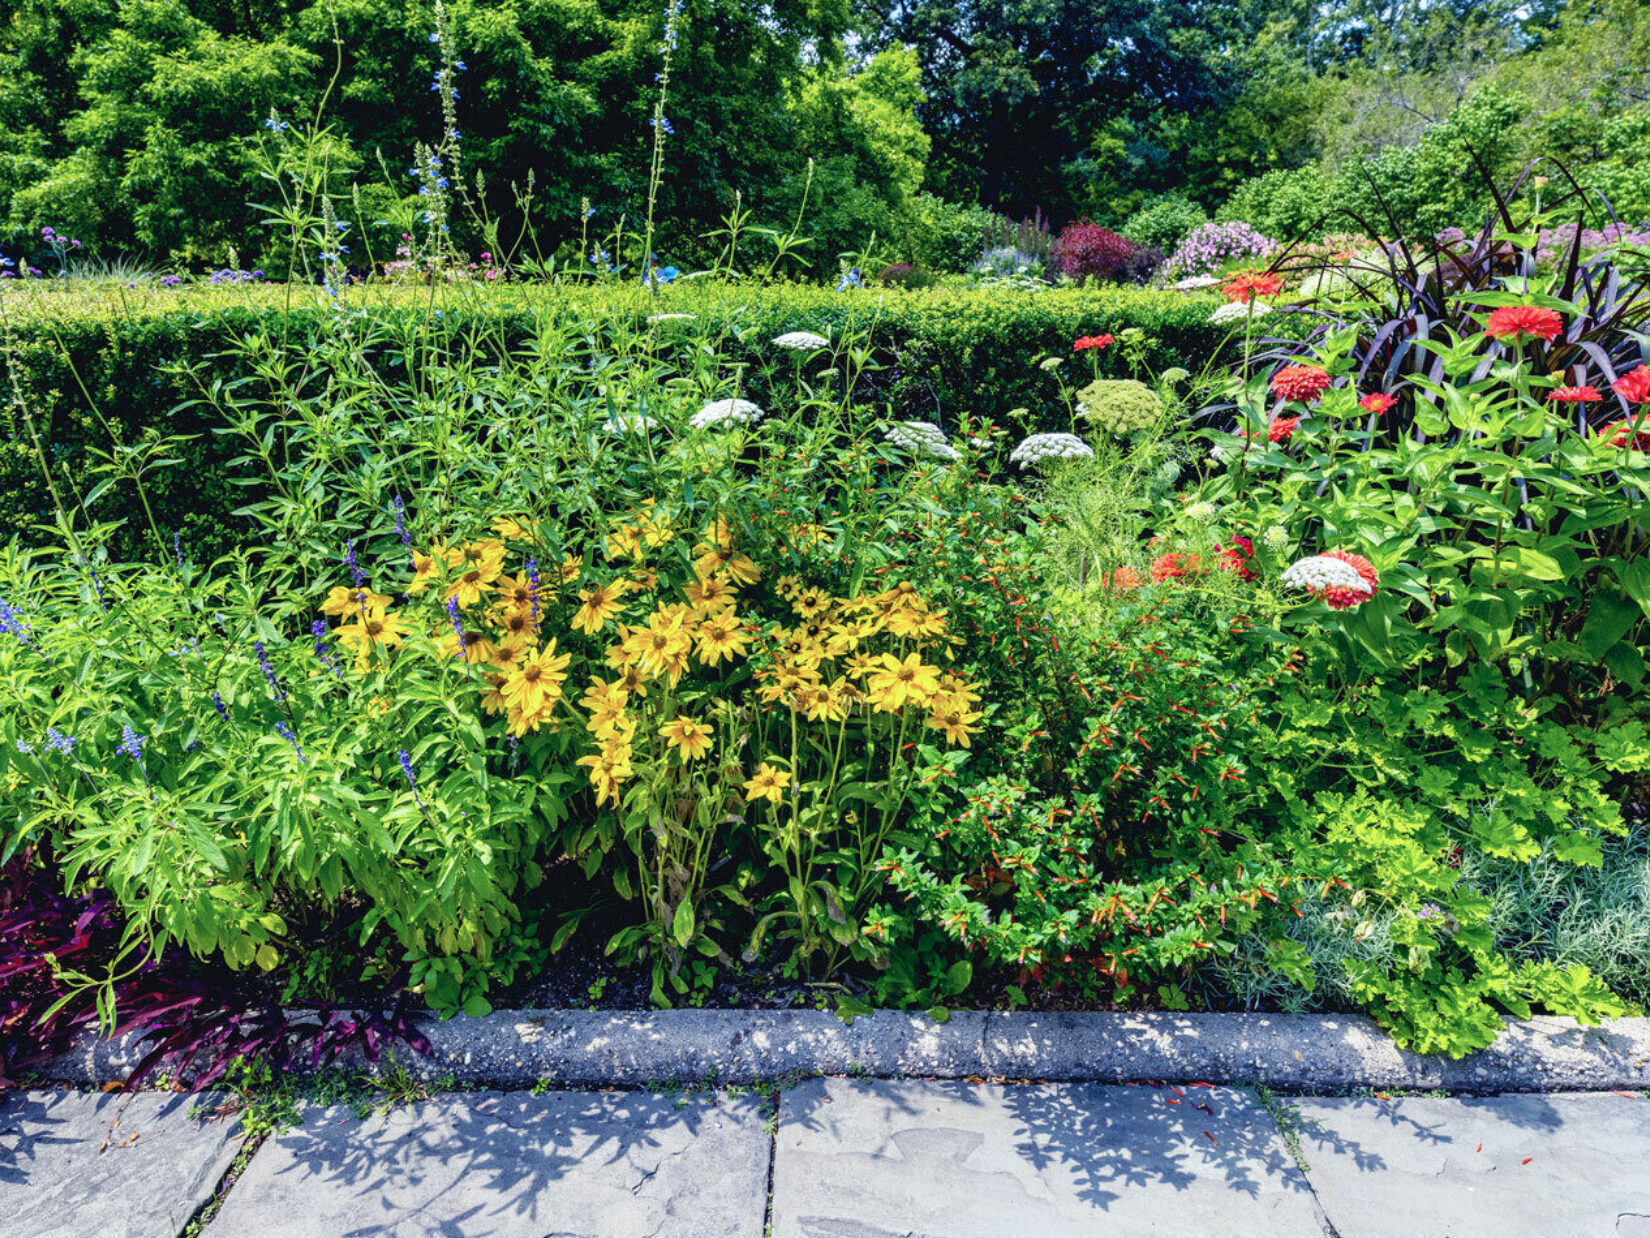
1634	387
1377	402
1301	382
1235	558
1173	565
1512	321
1281	429
1340	598
1634	433
1091	341
1249	285
1573	395
1123	580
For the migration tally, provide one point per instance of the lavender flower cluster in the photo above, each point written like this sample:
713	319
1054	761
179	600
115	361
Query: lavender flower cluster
1211	246
1555	243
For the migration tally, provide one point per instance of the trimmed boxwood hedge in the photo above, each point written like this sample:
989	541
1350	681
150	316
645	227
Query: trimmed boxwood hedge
91	364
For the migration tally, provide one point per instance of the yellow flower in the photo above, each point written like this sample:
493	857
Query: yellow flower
655	532
572	567
605	775
717	535
787	587
710	594
516	593
720	637
644	578
483	564
536	684
769	784
514	530
342	601
492	700
598	605
475	648
625	543
428	567
664	645
861	665
958	724
372	629
690	739
895	683
508	653
811	602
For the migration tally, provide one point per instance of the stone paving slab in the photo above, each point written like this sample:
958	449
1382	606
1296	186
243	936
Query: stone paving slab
898	1159
1515	1166
112	1164
565	1164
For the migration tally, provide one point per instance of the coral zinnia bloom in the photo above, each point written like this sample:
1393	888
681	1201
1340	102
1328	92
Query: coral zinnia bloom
1235	557
598	606
690	739
1634	387
1281	429
1573	395
1085	342
1305	383
1123	580
1633	433
1340	598
1377	402
1173	566
769	784
896	684
1249	285
1511	322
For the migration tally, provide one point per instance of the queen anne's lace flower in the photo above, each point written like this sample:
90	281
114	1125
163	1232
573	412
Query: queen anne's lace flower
1039	447
1237	311
1120	405
1202	511
1275	538
801	339
921	438
719	413
636	423
1343	580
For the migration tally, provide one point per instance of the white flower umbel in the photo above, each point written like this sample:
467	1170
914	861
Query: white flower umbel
636	423
1195	282
1275	538
1202	512
801	339
1237	311
670	320
1039	447
719	413
1319	572
921	438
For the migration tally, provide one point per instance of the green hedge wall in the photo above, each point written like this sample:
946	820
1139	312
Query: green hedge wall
95	364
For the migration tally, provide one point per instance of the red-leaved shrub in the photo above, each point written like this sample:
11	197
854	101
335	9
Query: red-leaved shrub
1084	248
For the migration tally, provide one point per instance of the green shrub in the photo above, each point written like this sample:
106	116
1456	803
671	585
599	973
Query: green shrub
1165	223
107	373
1285	204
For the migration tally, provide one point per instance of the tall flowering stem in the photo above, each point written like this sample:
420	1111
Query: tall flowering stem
661	130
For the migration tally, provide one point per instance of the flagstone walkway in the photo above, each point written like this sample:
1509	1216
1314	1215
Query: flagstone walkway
838	1158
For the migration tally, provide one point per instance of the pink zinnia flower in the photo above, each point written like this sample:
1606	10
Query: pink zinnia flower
1377	402
1511	322
1305	383
1573	395
1634	433
1634	387
1085	342
1173	566
1281	429
1235	557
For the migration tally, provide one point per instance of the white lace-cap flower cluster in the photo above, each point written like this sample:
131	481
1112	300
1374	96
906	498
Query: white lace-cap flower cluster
719	413
801	339
1040	447
636	423
1236	311
921	438
1194	282
1315	573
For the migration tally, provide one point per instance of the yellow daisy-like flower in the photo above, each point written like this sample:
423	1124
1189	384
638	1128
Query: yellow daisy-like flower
811	602
514	530
768	784
664	645
515	625
341	601
474	647
572	567
719	637
709	594
535	685
492	700
625	543
897	683
483	565
375	628
787	587
958	724
644	578
427	568
598	605
516	593
718	535
861	665
690	739
605	776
